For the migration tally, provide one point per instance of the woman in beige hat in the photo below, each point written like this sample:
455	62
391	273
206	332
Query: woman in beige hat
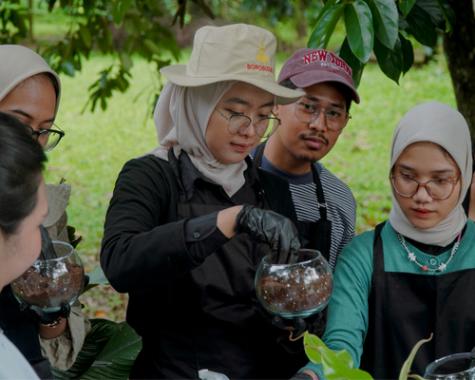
177	237
23	207
30	91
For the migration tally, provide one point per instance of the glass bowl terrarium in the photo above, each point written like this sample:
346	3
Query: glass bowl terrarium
50	283
295	290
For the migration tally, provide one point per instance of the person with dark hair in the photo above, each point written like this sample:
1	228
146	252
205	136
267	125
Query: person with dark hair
23	207
413	276
30	91
308	130
184	229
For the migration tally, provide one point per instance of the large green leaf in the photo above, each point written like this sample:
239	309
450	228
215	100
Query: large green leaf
359	29
389	60
109	352
325	24
405	6
336	365
356	66
386	17
421	26
407	53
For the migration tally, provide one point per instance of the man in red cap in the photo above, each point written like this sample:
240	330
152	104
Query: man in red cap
309	128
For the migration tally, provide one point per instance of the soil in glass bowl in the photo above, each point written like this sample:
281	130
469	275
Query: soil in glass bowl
49	283
295	290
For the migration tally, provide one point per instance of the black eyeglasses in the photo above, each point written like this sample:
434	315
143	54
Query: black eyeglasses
238	123
438	189
48	138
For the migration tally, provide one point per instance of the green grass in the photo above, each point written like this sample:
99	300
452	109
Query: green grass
97	145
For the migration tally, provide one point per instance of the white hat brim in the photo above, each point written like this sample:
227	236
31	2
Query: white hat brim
177	75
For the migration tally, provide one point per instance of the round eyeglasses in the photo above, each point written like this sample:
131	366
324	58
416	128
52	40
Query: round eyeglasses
48	138
438	189
307	113
238	123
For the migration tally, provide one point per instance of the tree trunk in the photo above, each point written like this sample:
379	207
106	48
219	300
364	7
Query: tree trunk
459	47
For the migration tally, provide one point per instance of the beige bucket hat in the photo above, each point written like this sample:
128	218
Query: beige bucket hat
238	52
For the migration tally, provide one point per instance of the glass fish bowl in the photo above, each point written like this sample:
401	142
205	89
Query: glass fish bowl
295	290
51	282
459	366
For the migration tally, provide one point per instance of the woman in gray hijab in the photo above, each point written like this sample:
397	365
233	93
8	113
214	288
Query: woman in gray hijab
411	276
30	91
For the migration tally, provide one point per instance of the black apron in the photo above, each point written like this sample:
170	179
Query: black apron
222	328
316	234
405	308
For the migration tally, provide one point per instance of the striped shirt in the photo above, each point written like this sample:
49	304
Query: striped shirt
341	205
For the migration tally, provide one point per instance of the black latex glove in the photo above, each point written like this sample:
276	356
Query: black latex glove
49	317
271	228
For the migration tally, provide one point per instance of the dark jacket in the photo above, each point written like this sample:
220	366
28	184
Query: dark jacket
192	296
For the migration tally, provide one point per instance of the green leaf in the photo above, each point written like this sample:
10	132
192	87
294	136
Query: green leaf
152	46
67	67
405	6
108	352
356	66
449	15
386	20
325	25
407	54
359	29
434	10
421	26
119	10
85	35
335	364
406	367
389	60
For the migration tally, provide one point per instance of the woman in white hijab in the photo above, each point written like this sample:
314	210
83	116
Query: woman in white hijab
177	236
30	91
414	275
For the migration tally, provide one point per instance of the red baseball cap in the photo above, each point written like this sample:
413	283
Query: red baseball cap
307	67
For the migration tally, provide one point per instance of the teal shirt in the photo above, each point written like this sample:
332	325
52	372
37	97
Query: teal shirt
347	322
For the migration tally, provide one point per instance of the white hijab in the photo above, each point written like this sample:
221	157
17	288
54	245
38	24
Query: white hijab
438	123
18	63
181	117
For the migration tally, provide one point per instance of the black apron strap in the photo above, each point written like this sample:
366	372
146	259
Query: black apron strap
258	153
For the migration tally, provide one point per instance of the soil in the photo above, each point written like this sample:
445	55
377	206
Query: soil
295	292
39	289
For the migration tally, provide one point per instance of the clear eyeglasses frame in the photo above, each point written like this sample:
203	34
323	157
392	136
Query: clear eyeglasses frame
238	123
335	117
438	189
48	138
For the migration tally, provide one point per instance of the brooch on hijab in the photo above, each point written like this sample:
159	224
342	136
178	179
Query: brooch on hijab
441	267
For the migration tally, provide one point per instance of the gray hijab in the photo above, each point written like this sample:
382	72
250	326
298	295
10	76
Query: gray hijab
181	117
440	124
18	63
